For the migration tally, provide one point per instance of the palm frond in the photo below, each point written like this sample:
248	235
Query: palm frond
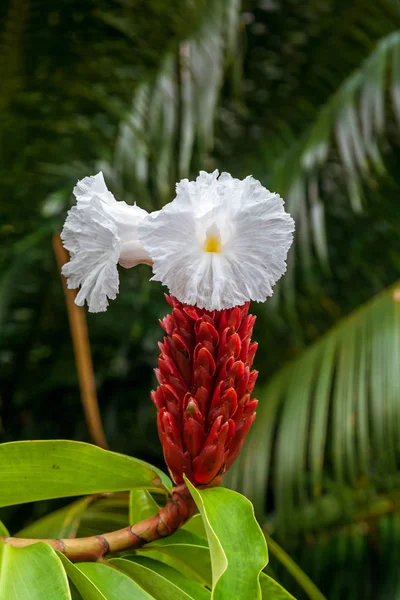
363	559
326	441
347	136
171	122
321	463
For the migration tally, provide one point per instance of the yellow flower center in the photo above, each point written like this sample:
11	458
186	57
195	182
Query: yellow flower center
212	243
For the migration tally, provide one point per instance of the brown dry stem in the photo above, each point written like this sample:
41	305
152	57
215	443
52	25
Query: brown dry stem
83	358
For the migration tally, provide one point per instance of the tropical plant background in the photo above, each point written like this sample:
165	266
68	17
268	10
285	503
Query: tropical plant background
306	97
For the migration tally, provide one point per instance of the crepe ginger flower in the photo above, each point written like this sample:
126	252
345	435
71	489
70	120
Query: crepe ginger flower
220	243
100	232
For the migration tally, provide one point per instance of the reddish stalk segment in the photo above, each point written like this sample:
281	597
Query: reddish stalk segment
176	512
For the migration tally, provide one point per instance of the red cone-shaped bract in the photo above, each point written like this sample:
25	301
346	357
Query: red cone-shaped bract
204	398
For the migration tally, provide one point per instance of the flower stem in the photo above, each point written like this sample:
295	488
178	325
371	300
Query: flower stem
179	508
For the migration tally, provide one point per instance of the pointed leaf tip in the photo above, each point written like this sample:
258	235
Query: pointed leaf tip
237	544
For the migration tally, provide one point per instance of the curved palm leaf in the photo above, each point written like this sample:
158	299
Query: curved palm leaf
172	117
325	446
355	122
321	463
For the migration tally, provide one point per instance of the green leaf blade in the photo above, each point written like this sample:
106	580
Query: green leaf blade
195	525
86	587
4	533
34	572
186	552
272	590
3	530
62	523
52	469
157	583
113	584
237	559
141	506
187	584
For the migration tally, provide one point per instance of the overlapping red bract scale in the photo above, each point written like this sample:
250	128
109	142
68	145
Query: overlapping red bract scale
205	380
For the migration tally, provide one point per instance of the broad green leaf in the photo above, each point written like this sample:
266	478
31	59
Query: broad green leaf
95	523
113	584
187	569
141	506
195	525
184	551
105	514
3	532
272	590
187	584
180	537
3	529
360	100
40	470
32	573
342	420
237	544
158	583
61	523
87	589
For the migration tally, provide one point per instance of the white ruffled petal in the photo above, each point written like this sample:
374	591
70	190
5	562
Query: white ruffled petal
220	243
125	216
175	257
93	186
202	194
93	242
258	249
98	232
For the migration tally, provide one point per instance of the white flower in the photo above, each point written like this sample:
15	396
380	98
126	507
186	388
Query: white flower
99	232
220	243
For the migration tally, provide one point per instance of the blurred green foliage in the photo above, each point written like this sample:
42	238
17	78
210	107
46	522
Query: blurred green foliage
303	95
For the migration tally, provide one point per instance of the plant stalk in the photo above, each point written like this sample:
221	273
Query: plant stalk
179	508
83	358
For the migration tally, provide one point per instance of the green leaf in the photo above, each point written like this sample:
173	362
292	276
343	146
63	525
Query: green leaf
52	469
113	584
237	544
34	572
161	581
106	513
184	551
360	116
62	523
86	587
97	523
341	417
186	583
141	506
3	532
195	525
272	590
172	117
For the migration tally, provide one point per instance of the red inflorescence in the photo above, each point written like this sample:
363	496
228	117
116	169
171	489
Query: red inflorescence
204	398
